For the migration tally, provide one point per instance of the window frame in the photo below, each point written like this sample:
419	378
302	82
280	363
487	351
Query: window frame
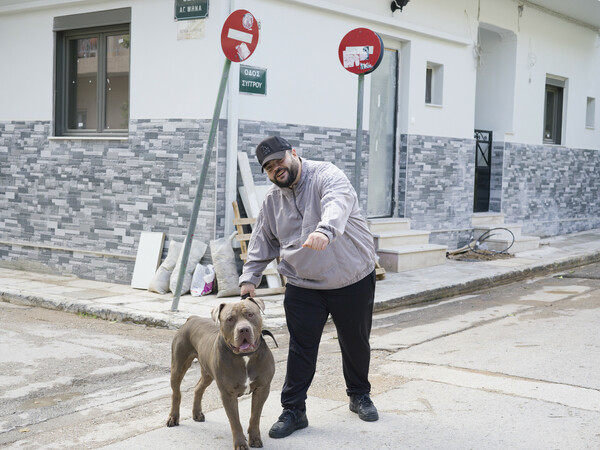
590	113
66	28
558	88
434	84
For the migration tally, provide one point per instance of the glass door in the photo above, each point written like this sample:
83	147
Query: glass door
382	136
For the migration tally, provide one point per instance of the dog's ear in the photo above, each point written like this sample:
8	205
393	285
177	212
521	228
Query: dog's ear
258	302
216	312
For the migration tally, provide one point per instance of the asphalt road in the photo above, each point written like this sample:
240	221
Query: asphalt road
511	367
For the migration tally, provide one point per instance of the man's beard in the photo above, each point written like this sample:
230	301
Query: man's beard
292	174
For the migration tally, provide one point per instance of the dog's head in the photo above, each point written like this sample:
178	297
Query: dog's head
240	324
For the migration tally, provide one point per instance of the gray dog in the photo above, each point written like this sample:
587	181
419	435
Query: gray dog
233	354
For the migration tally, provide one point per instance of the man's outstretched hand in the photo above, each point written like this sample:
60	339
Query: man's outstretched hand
316	241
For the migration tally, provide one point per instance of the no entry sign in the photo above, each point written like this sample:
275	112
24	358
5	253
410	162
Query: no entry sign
239	36
361	51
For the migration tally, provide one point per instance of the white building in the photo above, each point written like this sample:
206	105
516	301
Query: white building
86	165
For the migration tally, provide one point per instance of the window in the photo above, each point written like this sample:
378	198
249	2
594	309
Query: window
434	83
92	73
590	113
553	111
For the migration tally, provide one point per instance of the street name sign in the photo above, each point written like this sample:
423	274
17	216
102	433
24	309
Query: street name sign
253	80
191	9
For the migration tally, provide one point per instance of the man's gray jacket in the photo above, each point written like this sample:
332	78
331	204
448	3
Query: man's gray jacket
324	201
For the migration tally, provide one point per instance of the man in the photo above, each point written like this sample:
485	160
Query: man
311	219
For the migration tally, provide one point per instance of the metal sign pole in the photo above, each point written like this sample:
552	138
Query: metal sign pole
200	188
359	117
360	52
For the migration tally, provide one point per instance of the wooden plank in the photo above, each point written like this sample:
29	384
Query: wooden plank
271	272
243	237
252	205
244	220
239	228
147	259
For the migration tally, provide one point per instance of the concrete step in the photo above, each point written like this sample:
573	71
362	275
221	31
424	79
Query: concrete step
393	239
514	227
412	257
388	224
521	244
487	218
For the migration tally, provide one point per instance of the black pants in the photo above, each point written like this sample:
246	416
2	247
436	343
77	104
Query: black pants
306	312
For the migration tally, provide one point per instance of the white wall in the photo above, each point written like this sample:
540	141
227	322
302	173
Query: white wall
455	117
173	78
565	50
549	45
306	83
26	52
169	78
496	82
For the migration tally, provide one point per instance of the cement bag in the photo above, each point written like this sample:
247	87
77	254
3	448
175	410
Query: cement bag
203	280
225	267
160	282
196	252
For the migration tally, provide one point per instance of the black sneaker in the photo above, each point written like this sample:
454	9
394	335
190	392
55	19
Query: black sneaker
289	421
364	407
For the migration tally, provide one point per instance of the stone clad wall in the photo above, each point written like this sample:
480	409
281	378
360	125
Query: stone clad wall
496	176
439	184
78	206
551	190
97	196
311	142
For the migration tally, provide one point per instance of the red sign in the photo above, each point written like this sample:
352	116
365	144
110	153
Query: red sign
239	36
361	51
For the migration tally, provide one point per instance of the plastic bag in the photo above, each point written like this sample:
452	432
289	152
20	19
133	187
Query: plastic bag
225	267
203	280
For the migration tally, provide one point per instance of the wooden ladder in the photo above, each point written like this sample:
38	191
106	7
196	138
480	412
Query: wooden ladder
243	238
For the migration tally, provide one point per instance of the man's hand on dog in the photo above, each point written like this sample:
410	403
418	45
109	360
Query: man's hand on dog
247	288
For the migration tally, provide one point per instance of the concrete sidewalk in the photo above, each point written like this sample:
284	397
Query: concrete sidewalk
123	303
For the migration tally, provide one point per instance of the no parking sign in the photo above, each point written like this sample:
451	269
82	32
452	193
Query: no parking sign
239	36
361	51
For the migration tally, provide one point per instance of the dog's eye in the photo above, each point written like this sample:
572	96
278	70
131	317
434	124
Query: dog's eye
250	314
230	319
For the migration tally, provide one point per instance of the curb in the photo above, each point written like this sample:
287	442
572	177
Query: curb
486	282
100	311
174	321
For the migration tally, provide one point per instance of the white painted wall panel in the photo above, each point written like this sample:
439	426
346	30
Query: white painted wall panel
26	52
306	84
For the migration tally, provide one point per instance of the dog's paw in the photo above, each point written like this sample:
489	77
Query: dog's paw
198	416
255	442
172	421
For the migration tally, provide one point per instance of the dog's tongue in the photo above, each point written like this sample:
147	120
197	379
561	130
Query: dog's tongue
245	346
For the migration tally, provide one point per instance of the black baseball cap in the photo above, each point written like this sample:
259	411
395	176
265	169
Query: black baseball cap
273	147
